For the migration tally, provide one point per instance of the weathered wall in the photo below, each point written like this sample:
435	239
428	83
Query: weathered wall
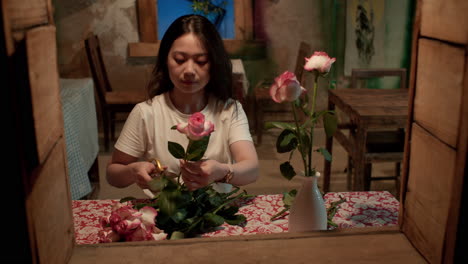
283	24
286	23
114	21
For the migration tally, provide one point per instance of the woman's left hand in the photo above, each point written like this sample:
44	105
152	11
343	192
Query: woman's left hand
198	174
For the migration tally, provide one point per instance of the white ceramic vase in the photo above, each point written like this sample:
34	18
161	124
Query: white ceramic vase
308	211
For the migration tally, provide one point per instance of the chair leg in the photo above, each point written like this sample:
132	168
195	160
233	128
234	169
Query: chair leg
397	178
259	123
327	166
112	126
349	174
105	124
367	176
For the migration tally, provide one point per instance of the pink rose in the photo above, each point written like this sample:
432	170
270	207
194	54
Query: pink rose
148	214
126	227
124	219
141	233
107	235
105	221
319	61
197	127
286	88
158	234
146	233
130	224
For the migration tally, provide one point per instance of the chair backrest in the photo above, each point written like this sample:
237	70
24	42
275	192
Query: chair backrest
304	51
357	74
98	70
238	87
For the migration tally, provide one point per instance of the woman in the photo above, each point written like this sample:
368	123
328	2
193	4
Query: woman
193	73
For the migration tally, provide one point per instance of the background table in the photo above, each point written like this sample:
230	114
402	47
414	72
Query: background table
361	209
367	109
81	133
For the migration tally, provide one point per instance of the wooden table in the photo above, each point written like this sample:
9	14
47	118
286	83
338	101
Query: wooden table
366	109
361	209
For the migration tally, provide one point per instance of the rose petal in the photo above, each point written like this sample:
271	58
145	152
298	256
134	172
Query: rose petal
320	62
107	235
221	187
148	215
286	88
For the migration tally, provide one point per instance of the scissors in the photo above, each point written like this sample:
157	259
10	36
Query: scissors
158	165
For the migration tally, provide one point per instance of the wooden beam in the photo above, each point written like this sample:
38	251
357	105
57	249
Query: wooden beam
445	20
411	94
243	19
49	209
429	193
233	47
366	245
141	49
9	43
146	12
45	90
453	226
439	114
25	14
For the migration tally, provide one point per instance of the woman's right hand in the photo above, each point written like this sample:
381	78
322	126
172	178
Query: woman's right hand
142	172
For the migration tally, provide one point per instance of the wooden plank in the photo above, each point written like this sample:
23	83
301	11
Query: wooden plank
43	77
412	88
147	20
439	88
233	47
390	110
25	14
428	196
326	247
141	49
243	19
9	43
445	20
49	209
50	12
459	178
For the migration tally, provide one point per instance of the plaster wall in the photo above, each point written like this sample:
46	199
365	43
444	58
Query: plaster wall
115	23
285	22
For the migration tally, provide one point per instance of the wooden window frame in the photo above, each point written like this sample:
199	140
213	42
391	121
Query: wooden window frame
147	29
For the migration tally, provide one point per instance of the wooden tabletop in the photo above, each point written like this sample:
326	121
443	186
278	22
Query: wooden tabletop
373	107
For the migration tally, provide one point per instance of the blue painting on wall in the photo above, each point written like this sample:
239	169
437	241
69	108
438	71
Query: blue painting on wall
220	12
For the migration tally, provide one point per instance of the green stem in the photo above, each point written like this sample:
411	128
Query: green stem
230	200
276	216
185	159
314	98
298	134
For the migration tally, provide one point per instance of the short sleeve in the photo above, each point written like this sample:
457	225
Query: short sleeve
134	135
239	128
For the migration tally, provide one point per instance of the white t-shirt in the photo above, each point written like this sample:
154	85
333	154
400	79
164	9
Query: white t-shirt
147	130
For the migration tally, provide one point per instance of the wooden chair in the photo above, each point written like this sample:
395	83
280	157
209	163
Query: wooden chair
110	102
263	103
381	145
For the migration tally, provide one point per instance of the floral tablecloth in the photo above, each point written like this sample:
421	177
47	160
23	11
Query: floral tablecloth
374	208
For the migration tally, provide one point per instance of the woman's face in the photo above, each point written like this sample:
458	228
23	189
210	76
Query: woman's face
188	64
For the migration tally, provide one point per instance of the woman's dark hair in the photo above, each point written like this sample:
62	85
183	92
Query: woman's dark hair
220	84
